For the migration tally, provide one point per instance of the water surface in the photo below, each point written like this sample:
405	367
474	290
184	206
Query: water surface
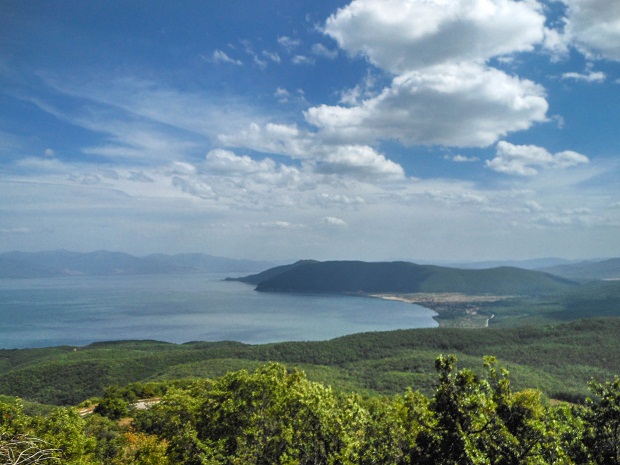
182	308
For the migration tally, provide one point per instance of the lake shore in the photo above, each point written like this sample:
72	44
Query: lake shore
453	309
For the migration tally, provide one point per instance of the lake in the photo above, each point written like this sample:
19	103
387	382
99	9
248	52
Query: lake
182	308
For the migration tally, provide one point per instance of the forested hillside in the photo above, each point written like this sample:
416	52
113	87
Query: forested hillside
275	416
404	277
559	359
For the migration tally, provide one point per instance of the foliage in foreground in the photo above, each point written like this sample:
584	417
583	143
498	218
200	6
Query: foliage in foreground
275	416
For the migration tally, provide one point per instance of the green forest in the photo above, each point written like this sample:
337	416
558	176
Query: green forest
277	416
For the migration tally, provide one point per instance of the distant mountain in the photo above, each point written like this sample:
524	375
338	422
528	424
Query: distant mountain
532	264
404	277
101	263
588	270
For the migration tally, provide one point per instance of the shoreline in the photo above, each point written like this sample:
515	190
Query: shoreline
452	309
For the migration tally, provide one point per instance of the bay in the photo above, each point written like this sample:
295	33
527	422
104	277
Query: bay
181	308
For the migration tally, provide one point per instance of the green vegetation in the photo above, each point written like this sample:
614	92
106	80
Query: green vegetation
593	299
404	277
558	359
277	416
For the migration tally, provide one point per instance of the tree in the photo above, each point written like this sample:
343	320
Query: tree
482	421
270	416
603	421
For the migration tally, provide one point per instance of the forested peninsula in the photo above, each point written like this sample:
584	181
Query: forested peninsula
403	277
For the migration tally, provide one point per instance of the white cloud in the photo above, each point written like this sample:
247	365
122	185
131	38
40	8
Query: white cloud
588	76
131	111
402	35
527	160
221	57
139	176
282	95
464	159
533	206
339	200
333	221
193	187
273	56
458	105
362	162
322	51
594	27
228	163
349	160
272	138
288	42
302	60
280	224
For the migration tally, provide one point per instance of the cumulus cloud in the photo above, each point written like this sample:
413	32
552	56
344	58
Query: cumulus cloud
194	187
352	160
249	171
399	35
527	160
594	27
443	91
361	162
459	104
272	138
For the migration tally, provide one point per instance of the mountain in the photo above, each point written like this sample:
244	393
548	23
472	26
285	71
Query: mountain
270	273
532	264
404	277
104	263
588	270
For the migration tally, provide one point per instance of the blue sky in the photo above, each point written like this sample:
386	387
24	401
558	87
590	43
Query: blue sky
372	129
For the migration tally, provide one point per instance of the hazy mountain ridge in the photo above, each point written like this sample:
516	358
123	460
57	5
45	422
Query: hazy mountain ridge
104	263
403	277
587	270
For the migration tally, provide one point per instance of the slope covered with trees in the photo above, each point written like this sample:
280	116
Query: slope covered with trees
276	416
404	277
558	359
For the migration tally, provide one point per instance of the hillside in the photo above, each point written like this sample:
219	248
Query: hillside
101	263
404	277
270	273
588	270
559	359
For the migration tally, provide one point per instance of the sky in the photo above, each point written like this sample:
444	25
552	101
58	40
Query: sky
458	130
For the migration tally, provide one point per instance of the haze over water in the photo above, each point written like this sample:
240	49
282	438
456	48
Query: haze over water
182	308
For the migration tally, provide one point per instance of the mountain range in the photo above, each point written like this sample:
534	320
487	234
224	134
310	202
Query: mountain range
588	270
350	274
104	263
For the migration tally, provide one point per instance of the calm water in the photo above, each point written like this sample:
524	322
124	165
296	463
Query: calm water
182	308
